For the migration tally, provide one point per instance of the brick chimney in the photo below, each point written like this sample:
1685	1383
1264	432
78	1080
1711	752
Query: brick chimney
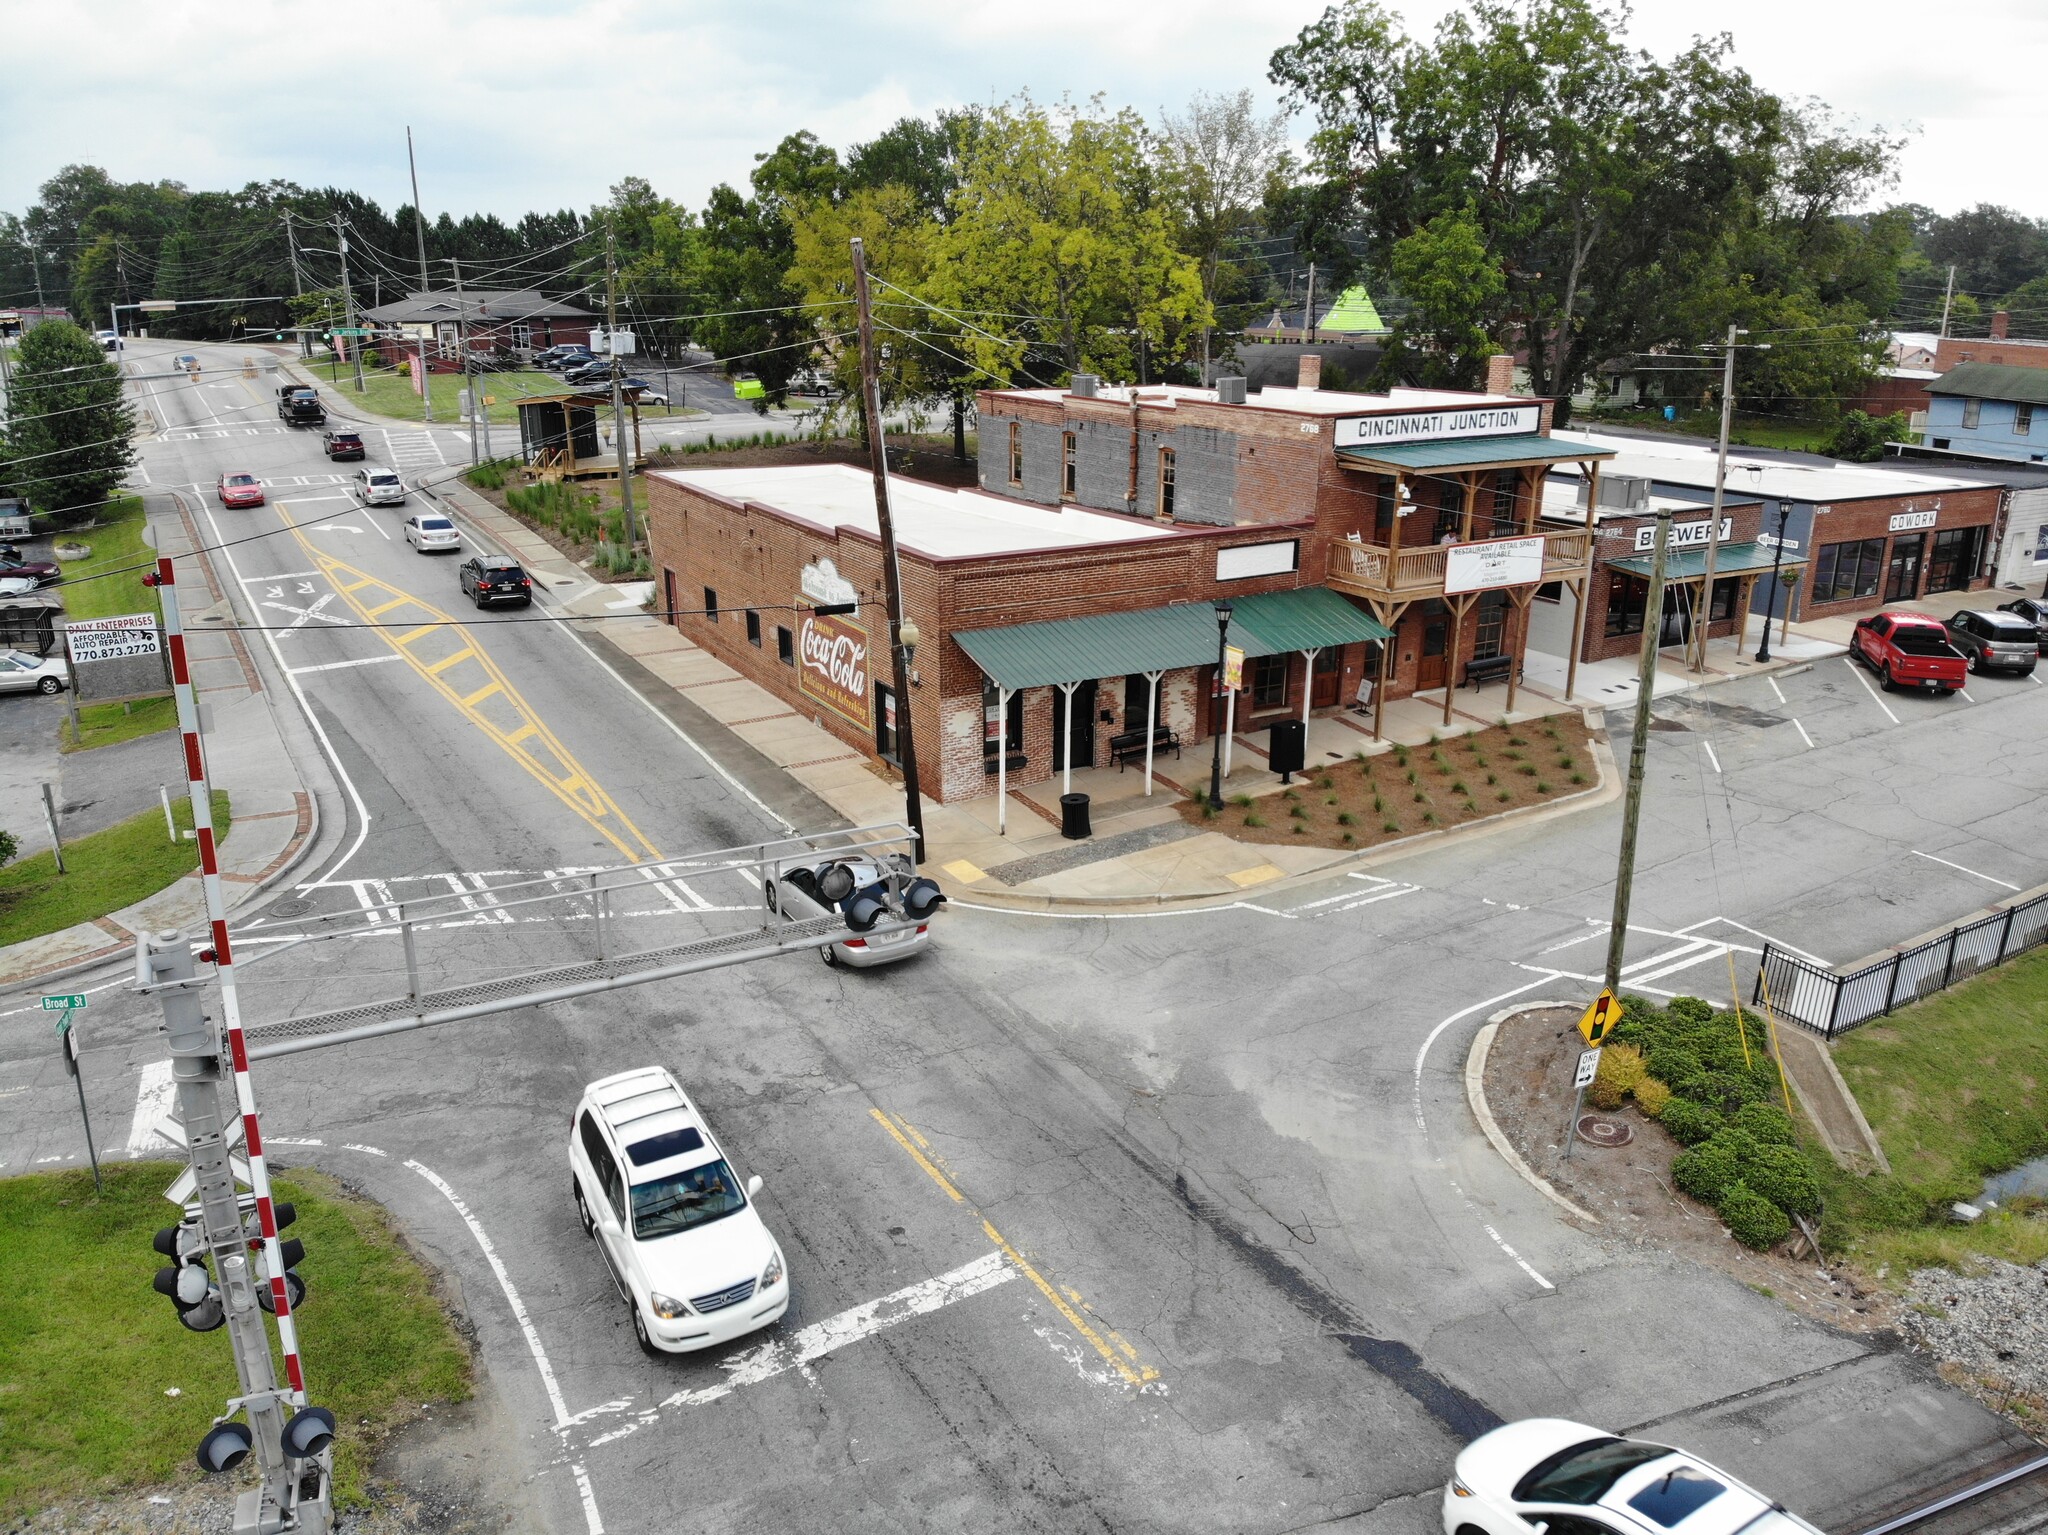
1310	374
1500	373
2001	323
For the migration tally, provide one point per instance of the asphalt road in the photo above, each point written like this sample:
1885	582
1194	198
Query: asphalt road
1165	1222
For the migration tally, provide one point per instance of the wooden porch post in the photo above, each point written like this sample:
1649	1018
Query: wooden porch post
1394	533
1520	597
1459	608
1392	619
1746	593
1581	590
1471	481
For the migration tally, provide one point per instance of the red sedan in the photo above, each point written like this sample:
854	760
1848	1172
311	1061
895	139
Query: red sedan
240	490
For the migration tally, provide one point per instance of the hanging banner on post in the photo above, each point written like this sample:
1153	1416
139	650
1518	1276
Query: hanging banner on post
1233	669
1492	563
832	666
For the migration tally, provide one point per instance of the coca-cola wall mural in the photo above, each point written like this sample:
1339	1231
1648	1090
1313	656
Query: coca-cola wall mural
832	666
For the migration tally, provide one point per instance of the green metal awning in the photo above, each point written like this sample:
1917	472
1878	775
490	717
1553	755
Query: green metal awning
1691	564
1163	639
1473	453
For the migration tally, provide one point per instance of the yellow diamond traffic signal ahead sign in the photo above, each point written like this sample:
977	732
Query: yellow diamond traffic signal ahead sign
1603	1015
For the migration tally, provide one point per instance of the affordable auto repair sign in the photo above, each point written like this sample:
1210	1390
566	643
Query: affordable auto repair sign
112	639
832	666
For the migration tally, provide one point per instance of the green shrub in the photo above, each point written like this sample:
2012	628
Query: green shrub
1671	1064
1651	1096
1542	787
1766	1123
1290	794
1458	787
1621	1068
1244	801
1298	812
1781	1175
1254	820
1429	818
1752	1219
1346	818
1492	778
1723	1090
1390	826
1504	796
1379	805
1691	1009
1421	798
1705	1171
1689	1123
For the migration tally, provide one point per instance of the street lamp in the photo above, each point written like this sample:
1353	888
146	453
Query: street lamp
1763	651
1216	738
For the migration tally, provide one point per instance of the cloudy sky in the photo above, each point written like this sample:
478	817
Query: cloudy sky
520	104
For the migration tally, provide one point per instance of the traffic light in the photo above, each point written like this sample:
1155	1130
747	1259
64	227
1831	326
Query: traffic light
290	1249
186	1281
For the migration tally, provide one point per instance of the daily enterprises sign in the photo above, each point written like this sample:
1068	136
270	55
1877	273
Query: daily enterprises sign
1435	425
832	666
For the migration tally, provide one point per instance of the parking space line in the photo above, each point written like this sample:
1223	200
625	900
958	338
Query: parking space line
1987	878
1802	733
1857	672
1709	745
1123	1360
1966	695
1773	681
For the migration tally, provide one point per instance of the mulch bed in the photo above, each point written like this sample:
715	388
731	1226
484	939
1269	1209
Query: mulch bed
1628	1187
1412	789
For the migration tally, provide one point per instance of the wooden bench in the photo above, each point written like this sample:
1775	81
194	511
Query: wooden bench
1130	745
1480	672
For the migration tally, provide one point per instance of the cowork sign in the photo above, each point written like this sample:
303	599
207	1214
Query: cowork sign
832	666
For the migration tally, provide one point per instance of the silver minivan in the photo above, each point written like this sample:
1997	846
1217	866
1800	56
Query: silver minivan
1994	642
377	487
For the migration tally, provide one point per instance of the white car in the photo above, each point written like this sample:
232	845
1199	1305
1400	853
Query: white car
851	885
678	1231
377	487
1563	1478
21	672
428	531
18	586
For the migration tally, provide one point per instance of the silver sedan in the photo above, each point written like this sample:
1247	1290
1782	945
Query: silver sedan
842	884
21	672
430	531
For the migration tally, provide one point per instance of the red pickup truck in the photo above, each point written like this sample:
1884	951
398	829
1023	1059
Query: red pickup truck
1909	650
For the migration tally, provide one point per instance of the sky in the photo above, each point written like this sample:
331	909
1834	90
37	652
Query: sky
544	104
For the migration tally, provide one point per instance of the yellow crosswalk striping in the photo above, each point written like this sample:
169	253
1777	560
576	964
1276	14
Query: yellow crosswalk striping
471	682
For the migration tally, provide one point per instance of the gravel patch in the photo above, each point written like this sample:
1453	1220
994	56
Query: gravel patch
1991	1325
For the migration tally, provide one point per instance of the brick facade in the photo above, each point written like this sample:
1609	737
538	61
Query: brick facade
1955	513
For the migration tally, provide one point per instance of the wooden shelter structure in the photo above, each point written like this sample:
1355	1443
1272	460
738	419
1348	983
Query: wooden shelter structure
564	436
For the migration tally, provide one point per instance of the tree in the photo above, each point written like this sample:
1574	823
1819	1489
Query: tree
1860	438
1454	286
1059	243
68	426
2026	309
1221	163
1994	249
922	157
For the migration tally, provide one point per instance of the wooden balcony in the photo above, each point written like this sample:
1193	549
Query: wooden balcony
1380	574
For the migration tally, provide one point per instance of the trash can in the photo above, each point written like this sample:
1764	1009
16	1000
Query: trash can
1074	816
1287	748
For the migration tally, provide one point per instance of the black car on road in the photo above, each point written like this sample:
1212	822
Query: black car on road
1995	642
2035	611
491	578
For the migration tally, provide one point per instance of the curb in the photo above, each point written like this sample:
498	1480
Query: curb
1475	1094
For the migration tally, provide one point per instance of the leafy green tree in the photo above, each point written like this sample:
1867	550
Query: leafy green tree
1860	438
1994	249
2026	309
924	157
1059	242
1454	287
69	428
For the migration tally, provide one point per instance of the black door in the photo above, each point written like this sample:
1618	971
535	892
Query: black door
1137	701
1084	726
1902	575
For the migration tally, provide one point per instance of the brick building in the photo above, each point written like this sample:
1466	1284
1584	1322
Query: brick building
495	321
1068	607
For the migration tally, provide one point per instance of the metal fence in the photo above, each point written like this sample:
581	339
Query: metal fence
1830	1003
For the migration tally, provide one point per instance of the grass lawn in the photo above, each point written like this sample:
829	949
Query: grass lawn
388	393
105	724
106	871
1412	788
88	1350
116	544
1743	431
1956	1088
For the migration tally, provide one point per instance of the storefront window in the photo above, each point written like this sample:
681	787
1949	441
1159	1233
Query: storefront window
1724	598
1001	725
1957	553
1844	572
1492	631
1627	597
1267	681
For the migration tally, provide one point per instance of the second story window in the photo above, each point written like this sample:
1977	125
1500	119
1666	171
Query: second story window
1165	482
2022	420
1973	412
1016	453
1066	466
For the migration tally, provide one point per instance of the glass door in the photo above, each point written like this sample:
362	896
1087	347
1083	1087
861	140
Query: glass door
1902	573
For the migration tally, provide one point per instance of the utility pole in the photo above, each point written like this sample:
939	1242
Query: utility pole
419	234
1948	297
1632	807
35	261
476	403
291	241
348	301
1705	617
1308	315
902	637
611	341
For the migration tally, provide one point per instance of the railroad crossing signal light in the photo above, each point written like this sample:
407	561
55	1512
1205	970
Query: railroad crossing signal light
310	1431
225	1447
186	1281
921	898
290	1249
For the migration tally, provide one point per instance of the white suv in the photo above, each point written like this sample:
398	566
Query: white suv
679	1233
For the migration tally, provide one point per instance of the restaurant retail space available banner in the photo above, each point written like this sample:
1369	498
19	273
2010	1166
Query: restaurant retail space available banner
1492	563
832	666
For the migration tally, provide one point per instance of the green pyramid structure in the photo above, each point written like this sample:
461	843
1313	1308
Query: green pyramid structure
1352	315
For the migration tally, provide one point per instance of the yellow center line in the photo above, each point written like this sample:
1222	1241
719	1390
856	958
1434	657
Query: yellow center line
546	759
1119	1356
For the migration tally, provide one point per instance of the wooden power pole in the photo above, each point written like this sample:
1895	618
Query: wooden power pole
1632	806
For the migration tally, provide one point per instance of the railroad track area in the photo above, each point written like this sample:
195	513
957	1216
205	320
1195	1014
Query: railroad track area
2012	1501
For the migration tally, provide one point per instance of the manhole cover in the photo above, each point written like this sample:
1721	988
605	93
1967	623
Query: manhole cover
1595	1131
295	906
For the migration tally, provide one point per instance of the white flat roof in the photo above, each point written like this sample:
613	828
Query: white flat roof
1680	463
1308	402
931	519
1561	503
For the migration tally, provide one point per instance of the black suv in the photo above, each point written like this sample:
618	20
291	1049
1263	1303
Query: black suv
489	578
2035	611
1995	641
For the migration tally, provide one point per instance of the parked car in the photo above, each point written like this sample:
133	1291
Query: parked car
430	531
589	372
377	487
21	672
748	386
1908	650
571	357
42	572
850	884
1563	1477
340	446
2035	611
236	488
1995	642
17	586
489	578
647	393
682	1237
561	355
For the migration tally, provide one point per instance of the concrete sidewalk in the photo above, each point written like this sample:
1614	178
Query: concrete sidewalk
276	818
